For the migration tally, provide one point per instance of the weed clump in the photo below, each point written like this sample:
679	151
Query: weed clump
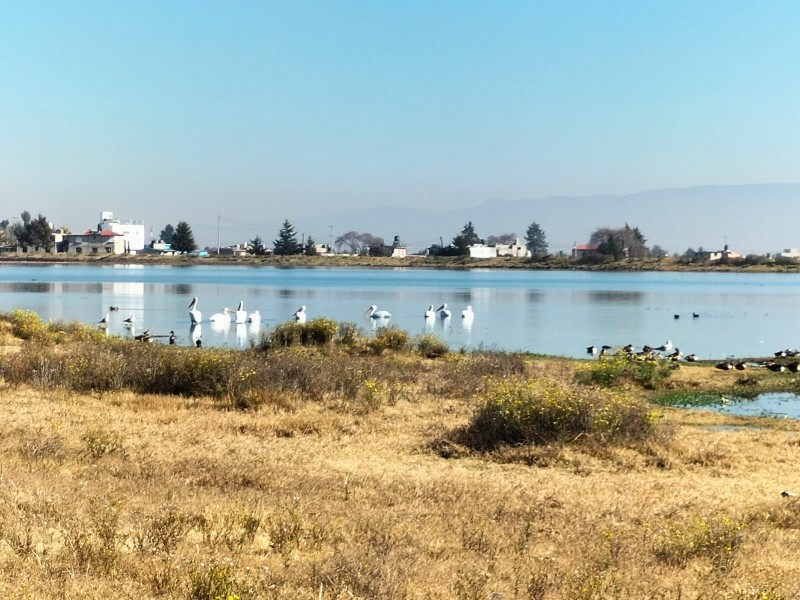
541	412
621	368
317	332
430	346
389	338
714	538
26	325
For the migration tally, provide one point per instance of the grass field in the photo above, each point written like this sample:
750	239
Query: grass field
349	471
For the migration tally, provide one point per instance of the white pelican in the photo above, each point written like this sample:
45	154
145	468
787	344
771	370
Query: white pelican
254	318
104	321
221	317
195	315
467	313
241	314
129	321
374	313
300	314
443	311
430	314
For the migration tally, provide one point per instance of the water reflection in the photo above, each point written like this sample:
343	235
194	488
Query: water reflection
606	296
548	312
772	404
31	287
195	332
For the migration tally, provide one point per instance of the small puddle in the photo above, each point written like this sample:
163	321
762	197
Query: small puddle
778	405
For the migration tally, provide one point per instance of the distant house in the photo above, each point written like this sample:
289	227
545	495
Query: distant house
133	231
95	242
725	254
788	253
396	250
235	250
111	237
160	247
581	250
482	251
516	250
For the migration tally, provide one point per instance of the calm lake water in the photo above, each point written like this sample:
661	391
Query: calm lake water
551	312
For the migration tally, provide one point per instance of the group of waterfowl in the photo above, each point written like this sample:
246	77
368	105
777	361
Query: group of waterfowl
240	317
665	350
777	366
443	312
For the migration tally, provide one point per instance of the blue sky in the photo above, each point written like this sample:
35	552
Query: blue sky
260	111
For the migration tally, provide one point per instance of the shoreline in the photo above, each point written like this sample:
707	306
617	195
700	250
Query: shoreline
417	262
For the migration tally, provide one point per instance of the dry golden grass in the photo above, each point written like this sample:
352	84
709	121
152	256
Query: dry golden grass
346	479
136	496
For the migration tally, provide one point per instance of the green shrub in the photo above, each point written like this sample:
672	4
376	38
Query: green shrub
430	346
317	332
388	338
348	333
213	582
621	367
544	412
26	325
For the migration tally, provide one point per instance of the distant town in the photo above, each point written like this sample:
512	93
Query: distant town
112	236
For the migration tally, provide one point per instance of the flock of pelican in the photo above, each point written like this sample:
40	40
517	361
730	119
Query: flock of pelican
430	314
240	316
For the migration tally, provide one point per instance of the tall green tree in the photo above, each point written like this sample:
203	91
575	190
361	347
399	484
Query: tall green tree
167	234
36	233
620	243
257	247
7	236
183	238
536	240
311	247
465	239
287	241
19	226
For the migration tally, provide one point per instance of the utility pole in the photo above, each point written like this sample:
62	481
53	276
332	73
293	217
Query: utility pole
330	245
218	234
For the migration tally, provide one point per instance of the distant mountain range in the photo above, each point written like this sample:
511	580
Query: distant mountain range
757	218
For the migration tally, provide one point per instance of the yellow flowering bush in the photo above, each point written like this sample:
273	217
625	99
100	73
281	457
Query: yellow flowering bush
716	538
540	412
26	324
621	367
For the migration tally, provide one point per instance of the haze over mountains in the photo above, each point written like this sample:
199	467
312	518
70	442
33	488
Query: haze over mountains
757	218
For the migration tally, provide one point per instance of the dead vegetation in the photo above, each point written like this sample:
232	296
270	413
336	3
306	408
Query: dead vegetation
320	491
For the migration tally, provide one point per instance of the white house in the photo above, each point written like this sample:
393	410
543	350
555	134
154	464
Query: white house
724	253
789	253
95	242
133	232
517	250
482	251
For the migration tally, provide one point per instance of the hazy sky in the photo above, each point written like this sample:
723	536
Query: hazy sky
260	111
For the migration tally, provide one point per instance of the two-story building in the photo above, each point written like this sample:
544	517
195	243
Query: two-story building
112	236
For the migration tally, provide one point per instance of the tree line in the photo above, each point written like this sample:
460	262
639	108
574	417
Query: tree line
605	243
